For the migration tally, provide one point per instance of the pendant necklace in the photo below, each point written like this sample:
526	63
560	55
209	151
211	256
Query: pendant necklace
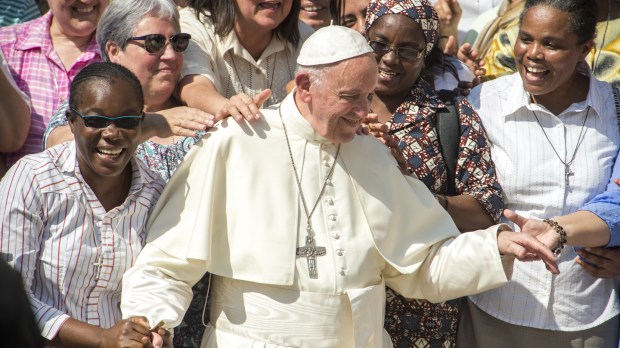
310	251
582	135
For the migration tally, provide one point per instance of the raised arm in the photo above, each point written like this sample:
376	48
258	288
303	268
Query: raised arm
14	112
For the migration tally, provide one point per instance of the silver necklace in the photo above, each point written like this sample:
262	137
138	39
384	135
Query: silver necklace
600	50
582	135
310	251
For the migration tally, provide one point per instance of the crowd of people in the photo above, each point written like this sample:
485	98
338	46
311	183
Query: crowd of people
310	173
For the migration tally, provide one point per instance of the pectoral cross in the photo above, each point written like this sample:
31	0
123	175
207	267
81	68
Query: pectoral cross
310	251
567	174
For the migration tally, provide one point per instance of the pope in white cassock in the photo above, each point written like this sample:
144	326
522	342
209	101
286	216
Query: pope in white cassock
302	223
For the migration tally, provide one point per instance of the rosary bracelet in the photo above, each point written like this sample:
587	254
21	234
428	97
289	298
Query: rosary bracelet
560	230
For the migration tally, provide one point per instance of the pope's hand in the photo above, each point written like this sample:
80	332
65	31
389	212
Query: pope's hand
525	247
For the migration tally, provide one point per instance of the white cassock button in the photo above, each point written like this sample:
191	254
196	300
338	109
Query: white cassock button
326	164
335	235
342	272
333	217
339	252
328	182
330	201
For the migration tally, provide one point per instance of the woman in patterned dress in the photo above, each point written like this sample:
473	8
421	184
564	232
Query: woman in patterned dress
402	33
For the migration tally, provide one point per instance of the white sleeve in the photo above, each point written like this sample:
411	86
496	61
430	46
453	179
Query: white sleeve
159	287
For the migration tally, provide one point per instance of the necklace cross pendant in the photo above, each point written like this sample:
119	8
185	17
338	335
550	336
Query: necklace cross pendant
567	173
310	251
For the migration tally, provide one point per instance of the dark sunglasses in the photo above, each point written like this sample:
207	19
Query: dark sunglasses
406	53
156	43
128	122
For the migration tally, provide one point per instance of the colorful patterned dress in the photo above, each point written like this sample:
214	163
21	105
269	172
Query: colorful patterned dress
419	323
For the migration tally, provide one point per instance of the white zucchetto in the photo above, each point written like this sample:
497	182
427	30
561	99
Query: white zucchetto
332	44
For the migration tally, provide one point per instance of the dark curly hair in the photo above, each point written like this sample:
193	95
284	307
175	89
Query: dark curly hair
581	15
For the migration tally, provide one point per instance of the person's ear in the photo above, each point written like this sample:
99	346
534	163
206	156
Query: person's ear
303	83
586	48
113	52
71	118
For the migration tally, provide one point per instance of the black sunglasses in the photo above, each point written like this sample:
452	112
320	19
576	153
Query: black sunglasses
407	53
127	122
156	43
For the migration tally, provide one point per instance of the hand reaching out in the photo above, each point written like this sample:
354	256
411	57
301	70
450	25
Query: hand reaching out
381	131
536	228
181	121
242	106
525	247
158	337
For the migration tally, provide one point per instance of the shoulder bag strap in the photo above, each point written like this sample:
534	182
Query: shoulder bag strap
448	131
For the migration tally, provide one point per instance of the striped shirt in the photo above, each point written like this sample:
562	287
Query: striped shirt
534	182
17	11
71	253
39	72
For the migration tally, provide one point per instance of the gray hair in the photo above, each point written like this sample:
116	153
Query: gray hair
315	72
120	18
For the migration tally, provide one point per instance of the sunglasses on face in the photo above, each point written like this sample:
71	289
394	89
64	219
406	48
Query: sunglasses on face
127	122
156	43
406	53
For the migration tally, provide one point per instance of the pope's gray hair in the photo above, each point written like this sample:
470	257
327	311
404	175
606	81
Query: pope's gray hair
315	72
120	18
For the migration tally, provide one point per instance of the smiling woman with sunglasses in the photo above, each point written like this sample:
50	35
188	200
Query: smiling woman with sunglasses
145	37
75	215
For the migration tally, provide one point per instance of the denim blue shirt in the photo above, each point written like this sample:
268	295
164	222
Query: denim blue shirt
606	205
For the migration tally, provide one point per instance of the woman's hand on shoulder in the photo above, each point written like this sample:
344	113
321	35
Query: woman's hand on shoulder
180	121
242	106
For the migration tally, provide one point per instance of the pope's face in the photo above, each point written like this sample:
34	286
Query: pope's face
341	101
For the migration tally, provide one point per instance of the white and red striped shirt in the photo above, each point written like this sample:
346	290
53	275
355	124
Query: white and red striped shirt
71	253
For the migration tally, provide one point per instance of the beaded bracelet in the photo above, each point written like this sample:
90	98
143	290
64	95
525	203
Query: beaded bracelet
560	230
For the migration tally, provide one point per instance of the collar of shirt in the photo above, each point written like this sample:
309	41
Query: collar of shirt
519	98
296	123
231	42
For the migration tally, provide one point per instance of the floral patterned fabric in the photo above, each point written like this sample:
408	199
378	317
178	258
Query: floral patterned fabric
418	323
163	159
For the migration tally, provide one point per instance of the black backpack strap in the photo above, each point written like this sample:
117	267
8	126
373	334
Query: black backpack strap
449	133
617	101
